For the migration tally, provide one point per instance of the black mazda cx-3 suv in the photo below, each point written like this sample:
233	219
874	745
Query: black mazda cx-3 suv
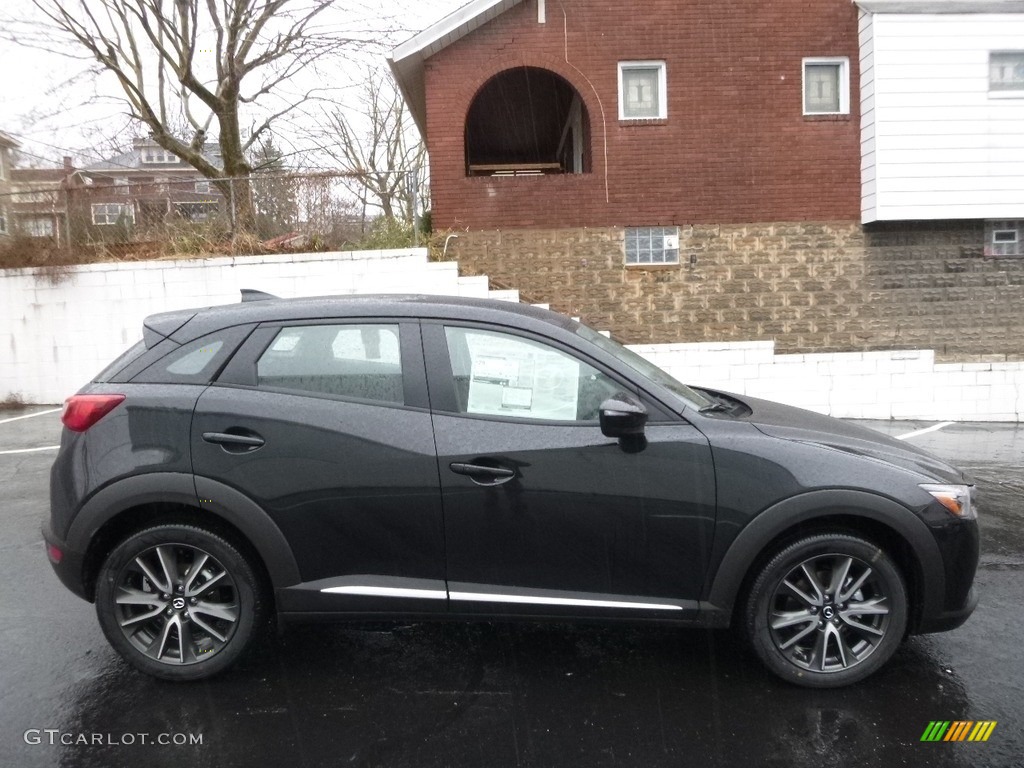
419	457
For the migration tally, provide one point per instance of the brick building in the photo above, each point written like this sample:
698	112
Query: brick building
718	171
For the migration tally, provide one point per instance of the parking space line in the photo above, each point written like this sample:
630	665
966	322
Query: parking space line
30	415
925	431
31	450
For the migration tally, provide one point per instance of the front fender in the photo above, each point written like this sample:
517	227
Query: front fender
723	588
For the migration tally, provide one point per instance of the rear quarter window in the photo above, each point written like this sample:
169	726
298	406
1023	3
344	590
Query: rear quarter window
196	362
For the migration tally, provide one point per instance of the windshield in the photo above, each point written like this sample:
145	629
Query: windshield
687	395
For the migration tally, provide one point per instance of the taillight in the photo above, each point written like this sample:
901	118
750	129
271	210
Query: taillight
82	411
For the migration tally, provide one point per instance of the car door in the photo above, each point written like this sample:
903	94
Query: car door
543	513
324	425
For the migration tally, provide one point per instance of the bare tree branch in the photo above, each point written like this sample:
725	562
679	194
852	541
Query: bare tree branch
189	63
384	155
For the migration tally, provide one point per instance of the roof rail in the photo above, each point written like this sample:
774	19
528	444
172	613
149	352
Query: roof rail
250	294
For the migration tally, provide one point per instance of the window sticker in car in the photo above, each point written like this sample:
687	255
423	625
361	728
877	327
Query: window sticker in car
521	379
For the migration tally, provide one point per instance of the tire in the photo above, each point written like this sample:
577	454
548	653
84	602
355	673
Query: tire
810	630
178	602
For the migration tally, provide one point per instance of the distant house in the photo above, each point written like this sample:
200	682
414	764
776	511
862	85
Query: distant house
7	145
148	186
715	171
39	200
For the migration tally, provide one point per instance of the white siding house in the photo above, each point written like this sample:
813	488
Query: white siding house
942	111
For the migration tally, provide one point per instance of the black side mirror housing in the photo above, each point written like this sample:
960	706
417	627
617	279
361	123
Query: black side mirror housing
622	415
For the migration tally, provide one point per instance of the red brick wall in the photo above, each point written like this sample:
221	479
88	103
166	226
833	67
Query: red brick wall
736	146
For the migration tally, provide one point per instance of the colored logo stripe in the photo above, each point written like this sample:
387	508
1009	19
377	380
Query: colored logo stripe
982	730
958	730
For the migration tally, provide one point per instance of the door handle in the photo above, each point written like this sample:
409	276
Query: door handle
233	442
483	475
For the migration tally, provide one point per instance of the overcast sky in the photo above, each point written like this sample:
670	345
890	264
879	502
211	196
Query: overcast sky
53	120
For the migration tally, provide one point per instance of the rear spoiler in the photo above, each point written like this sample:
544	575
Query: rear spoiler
156	328
251	294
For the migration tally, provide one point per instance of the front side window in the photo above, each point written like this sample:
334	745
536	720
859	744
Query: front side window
104	214
642	89
3	222
647	369
358	361
496	374
827	86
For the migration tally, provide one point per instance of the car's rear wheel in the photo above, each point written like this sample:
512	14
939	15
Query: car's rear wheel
178	602
827	610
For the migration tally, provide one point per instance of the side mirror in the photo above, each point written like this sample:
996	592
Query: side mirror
622	415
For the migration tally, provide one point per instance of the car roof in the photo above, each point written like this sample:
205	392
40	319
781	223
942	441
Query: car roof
187	324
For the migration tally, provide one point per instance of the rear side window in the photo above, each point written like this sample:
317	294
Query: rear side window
196	362
359	361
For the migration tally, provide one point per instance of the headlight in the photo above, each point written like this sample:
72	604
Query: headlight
955	498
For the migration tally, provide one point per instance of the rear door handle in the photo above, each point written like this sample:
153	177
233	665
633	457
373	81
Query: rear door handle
232	442
483	475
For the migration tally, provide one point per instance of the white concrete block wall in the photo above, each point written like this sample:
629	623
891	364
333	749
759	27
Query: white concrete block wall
905	384
54	338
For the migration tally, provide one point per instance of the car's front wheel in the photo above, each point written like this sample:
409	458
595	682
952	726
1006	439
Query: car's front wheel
178	602
827	610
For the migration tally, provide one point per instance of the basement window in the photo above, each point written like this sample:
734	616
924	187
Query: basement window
652	245
1004	238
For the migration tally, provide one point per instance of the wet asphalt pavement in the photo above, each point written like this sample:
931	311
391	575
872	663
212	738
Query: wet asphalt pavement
496	695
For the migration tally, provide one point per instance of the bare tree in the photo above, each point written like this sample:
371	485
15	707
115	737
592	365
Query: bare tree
188	68
380	150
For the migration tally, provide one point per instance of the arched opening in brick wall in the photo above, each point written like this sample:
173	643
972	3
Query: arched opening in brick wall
527	121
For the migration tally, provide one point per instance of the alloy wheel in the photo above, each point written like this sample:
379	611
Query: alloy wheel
830	613
176	604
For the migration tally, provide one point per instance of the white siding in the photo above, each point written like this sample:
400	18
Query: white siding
868	174
935	144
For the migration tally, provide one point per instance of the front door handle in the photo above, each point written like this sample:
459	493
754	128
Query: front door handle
483	475
234	443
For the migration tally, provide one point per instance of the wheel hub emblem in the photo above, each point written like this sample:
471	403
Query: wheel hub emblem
828	612
178	603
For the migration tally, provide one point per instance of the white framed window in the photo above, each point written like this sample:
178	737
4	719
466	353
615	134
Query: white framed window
826	84
652	245
1004	238
1006	73
642	90
203	187
3	222
158	155
39	226
121	185
104	214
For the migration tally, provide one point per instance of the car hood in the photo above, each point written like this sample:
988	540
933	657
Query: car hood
789	423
